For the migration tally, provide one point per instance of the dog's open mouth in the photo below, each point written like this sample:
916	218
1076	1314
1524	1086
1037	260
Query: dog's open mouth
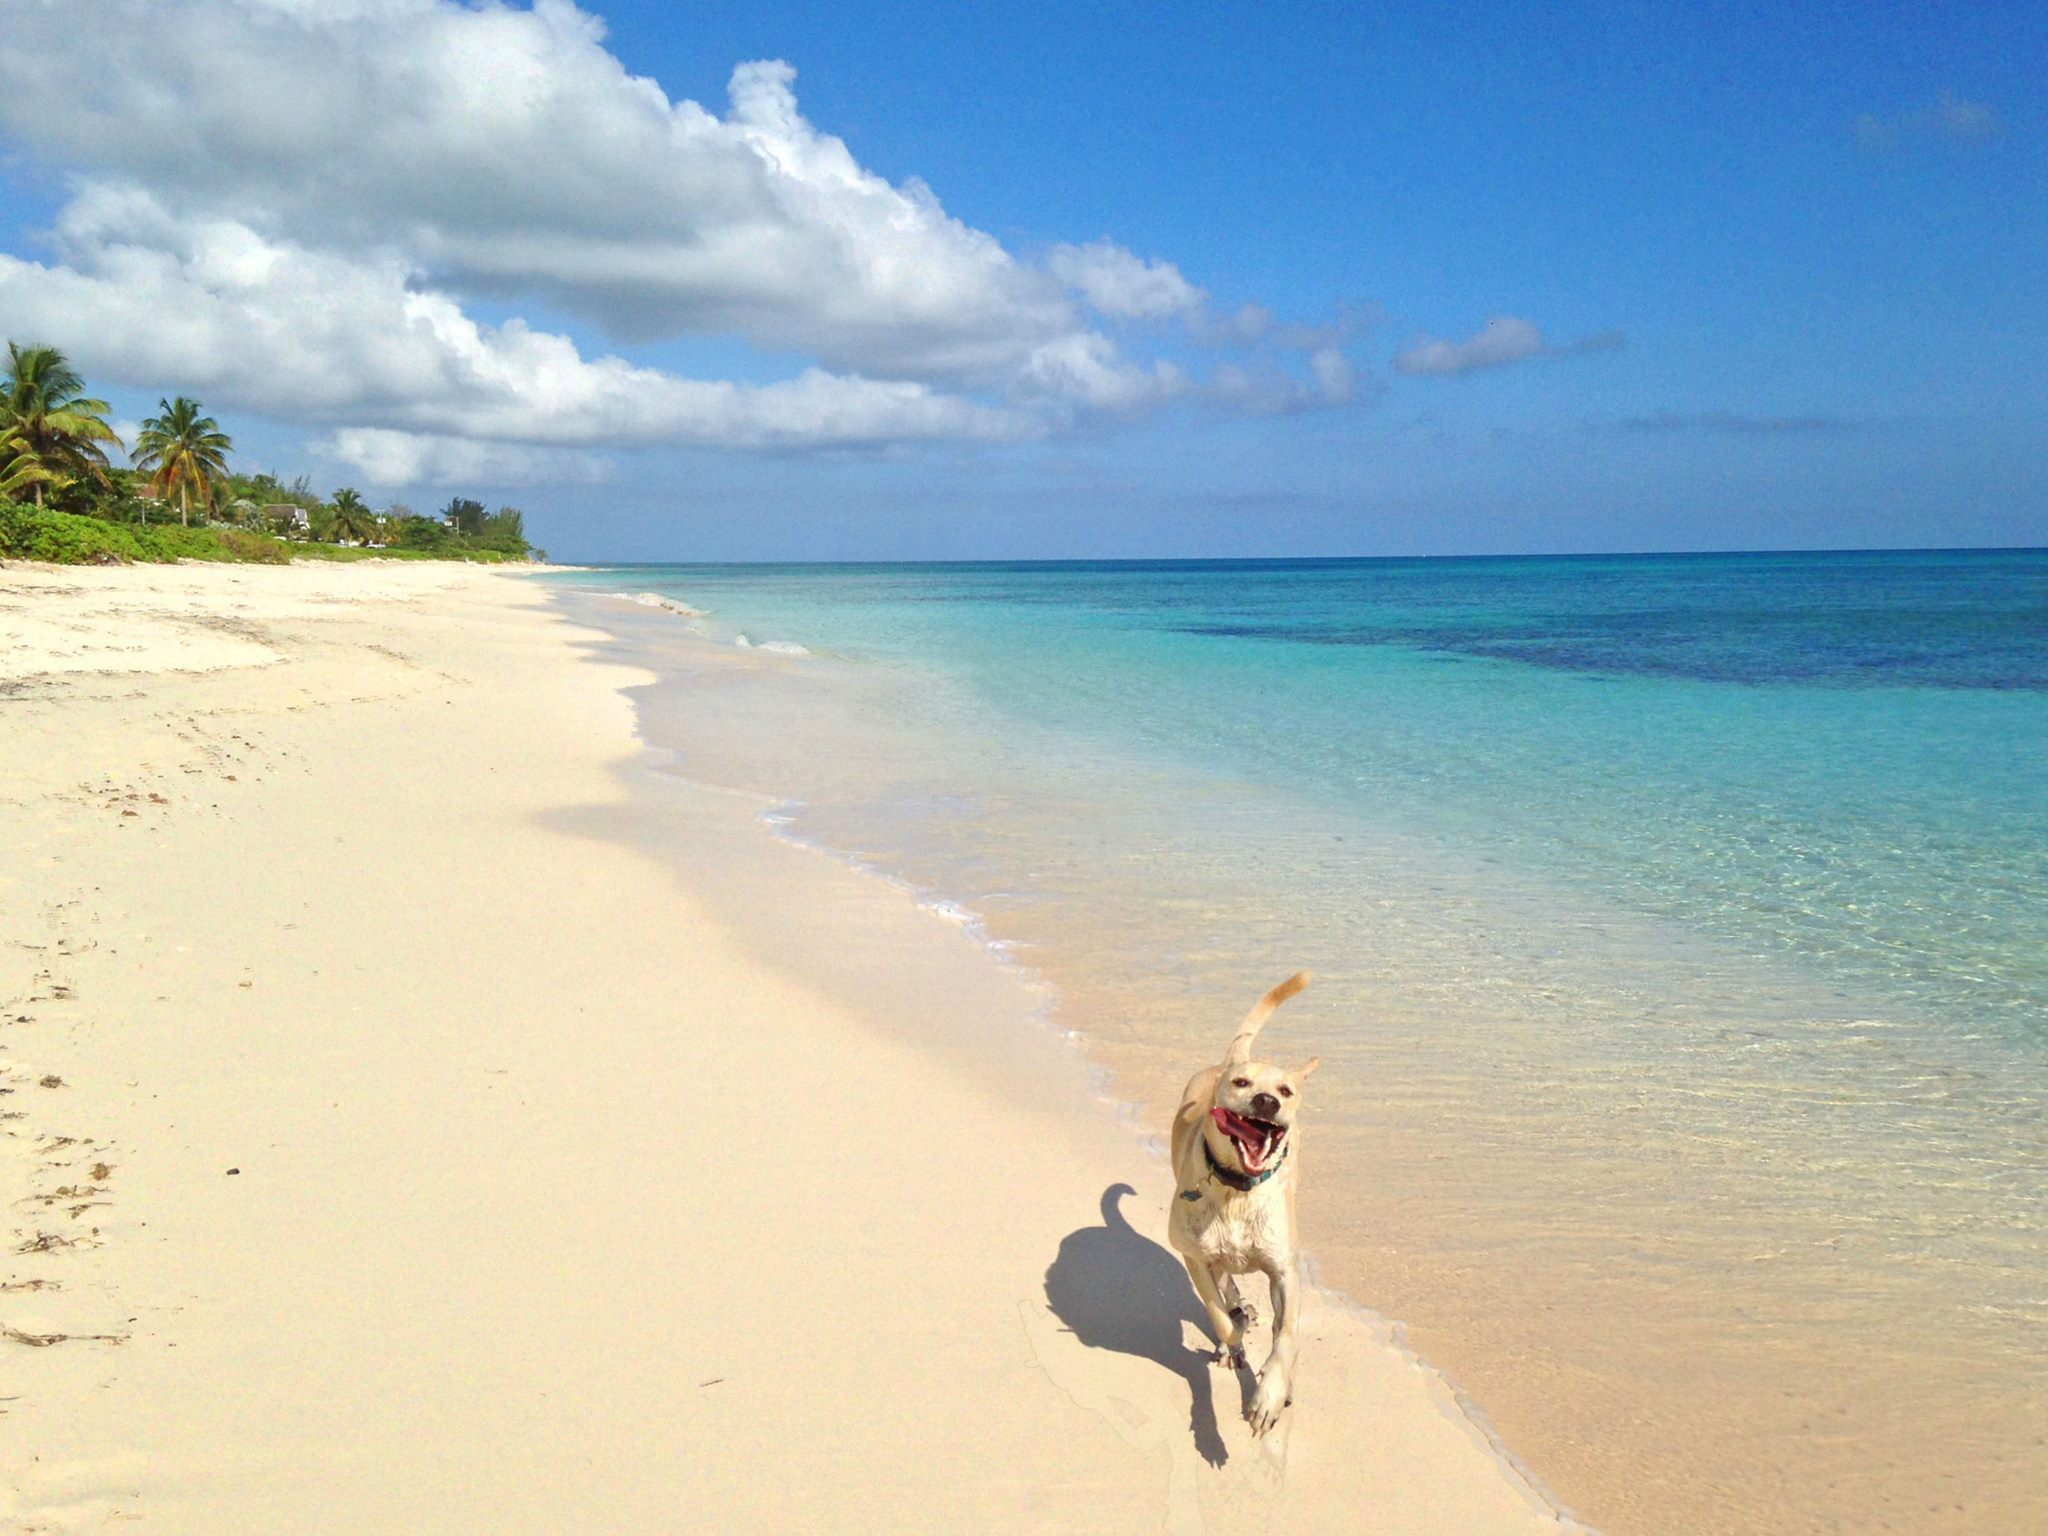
1258	1141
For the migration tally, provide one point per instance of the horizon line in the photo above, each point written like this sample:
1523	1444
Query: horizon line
1282	560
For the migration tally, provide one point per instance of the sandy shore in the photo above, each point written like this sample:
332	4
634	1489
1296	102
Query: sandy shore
394	1140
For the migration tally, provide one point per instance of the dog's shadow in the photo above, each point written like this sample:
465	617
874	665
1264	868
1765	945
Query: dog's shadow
1117	1289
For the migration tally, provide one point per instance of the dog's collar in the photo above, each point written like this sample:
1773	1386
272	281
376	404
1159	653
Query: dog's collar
1241	1182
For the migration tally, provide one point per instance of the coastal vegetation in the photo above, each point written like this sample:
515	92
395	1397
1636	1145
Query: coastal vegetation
182	450
50	433
64	499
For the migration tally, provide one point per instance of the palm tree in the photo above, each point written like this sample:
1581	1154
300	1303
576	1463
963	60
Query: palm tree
50	433
349	520
182	448
25	469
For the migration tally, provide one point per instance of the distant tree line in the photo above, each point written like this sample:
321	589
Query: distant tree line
54	462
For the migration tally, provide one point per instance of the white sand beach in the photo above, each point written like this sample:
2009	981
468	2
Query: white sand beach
395	1141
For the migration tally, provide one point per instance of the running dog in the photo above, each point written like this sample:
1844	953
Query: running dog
1236	1167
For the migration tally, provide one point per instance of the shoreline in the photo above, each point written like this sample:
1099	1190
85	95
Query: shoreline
557	1195
1085	1085
1754	1395
1099	1094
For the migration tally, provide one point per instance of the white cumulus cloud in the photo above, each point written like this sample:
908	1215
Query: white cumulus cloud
1504	340
386	458
1333	372
314	233
506	151
322	337
1087	369
1121	285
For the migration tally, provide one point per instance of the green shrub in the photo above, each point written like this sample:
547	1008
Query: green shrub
255	548
68	538
425	533
72	538
175	543
34	533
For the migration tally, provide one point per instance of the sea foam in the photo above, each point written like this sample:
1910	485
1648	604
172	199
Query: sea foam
656	600
773	647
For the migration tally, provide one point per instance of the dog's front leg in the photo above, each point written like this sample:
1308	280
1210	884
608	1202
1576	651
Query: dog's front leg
1276	1377
1242	1312
1222	1322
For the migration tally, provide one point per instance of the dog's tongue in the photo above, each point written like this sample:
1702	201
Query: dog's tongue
1253	1145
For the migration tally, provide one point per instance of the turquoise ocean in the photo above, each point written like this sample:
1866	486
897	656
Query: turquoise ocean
1681	925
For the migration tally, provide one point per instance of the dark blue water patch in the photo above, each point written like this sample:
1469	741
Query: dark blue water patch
1805	660
1939	621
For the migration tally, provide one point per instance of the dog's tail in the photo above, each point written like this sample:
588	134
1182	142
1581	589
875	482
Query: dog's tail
1241	1044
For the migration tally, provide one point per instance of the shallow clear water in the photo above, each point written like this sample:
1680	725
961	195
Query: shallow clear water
1683	930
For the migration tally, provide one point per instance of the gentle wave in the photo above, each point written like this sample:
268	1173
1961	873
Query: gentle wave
655	600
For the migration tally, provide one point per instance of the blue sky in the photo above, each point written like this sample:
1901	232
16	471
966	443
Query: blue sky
1756	279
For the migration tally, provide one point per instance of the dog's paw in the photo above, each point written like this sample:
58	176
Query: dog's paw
1233	1359
1244	1314
1267	1402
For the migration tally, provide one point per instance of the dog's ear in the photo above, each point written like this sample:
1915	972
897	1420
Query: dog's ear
1308	1069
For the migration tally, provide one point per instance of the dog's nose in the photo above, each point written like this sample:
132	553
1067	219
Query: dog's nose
1265	1106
